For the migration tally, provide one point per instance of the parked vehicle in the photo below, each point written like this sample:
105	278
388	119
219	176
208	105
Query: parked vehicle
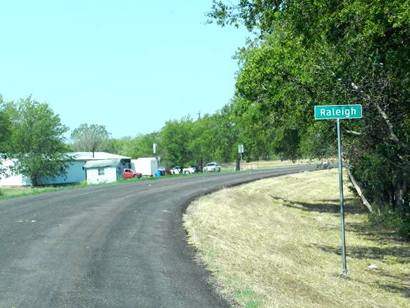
212	167
145	165
129	173
176	170
162	171
190	170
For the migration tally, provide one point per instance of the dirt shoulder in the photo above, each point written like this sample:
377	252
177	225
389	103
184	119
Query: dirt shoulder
275	243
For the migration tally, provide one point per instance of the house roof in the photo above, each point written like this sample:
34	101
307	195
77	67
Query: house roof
102	163
97	156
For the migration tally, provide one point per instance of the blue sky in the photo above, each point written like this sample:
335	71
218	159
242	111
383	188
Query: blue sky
128	65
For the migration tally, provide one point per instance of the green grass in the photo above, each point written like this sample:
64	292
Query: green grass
14	192
275	243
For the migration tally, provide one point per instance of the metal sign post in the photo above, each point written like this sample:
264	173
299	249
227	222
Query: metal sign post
337	112
341	199
241	150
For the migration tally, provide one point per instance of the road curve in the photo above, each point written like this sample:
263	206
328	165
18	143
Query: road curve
108	246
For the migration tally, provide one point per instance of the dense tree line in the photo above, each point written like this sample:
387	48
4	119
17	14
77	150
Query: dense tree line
308	53
186	141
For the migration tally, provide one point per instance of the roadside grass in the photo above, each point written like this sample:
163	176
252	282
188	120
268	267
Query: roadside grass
14	192
268	164
275	243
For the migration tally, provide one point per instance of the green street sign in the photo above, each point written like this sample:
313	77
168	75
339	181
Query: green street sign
338	112
332	112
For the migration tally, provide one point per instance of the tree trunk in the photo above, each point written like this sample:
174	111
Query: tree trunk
400	190
359	191
34	181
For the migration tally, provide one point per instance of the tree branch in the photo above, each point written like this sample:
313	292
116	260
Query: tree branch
393	136
352	132
383	114
359	191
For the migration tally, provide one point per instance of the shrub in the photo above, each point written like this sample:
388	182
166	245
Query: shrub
392	220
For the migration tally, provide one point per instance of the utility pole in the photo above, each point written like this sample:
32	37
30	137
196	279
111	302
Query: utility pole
238	160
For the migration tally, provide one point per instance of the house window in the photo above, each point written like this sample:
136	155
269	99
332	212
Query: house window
100	171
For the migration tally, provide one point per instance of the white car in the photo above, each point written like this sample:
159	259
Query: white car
176	170
189	170
212	167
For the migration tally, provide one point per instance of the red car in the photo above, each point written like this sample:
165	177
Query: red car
129	173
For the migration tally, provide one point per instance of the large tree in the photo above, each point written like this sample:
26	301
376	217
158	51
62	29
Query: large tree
175	139
5	126
37	140
142	145
89	138
331	52
5	130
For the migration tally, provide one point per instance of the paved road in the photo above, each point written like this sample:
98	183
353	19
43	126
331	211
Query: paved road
109	246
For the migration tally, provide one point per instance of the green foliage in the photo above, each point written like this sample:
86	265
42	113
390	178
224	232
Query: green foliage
111	145
5	131
287	143
89	138
142	146
201	144
254	14
214	138
36	140
195	142
328	52
319	140
404	228
390	219
253	129
5	125
175	139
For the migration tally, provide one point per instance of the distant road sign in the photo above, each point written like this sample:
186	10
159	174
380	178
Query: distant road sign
332	112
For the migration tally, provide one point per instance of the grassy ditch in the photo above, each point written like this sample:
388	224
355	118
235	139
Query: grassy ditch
275	243
13	192
269	164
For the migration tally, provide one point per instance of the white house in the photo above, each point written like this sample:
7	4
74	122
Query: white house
8	177
75	172
105	171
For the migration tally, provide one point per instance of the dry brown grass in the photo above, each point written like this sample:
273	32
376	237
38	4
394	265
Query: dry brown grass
275	243
267	164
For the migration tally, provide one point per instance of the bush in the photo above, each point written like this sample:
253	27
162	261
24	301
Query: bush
392	220
405	229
